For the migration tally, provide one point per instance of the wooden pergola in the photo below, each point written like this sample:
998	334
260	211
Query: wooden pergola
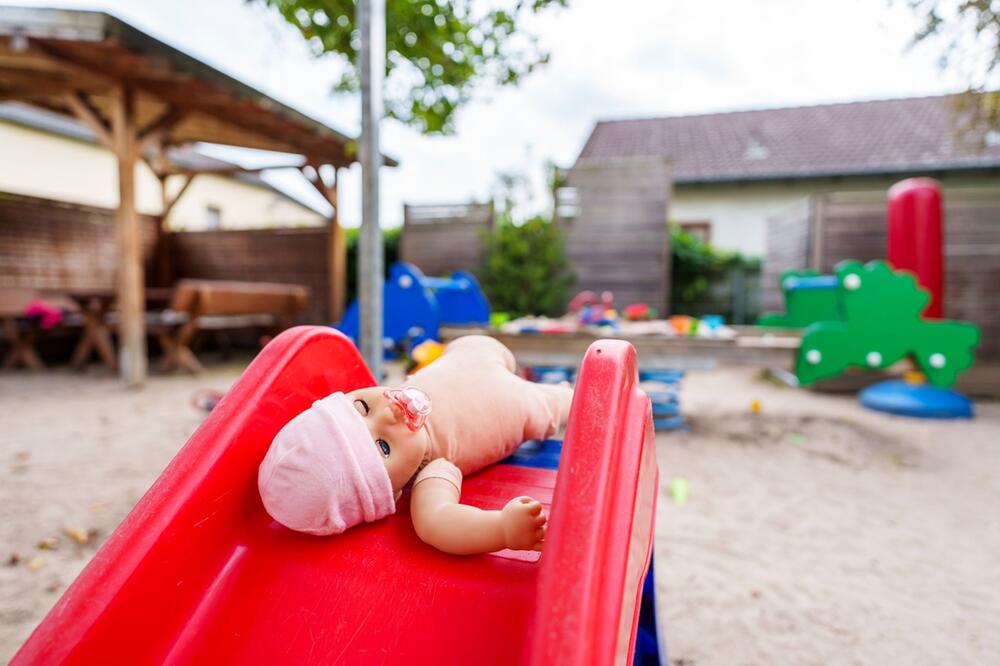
140	96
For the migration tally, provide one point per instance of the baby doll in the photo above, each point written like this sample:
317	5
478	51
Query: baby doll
346	459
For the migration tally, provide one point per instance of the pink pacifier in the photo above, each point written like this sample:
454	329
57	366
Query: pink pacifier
414	403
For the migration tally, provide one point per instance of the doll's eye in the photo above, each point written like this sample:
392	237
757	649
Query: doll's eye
361	406
384	445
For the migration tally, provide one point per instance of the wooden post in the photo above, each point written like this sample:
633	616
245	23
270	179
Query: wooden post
131	297
337	248
336	245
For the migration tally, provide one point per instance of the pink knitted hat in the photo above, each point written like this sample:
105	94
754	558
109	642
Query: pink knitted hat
323	473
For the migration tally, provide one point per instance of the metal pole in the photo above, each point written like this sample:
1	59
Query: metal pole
371	26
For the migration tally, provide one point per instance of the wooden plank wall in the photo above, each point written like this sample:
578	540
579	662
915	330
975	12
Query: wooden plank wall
294	256
786	248
852	226
47	244
618	238
440	239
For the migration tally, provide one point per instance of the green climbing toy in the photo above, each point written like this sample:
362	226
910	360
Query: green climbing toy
879	325
809	297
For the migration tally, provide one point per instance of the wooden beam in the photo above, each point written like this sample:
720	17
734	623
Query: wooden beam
227	170
85	111
338	256
73	70
170	201
337	245
131	297
157	131
321	187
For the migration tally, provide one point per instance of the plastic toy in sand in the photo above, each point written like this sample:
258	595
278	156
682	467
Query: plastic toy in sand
416	306
809	297
881	325
639	312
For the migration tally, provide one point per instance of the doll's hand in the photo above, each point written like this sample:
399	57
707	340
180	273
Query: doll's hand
523	524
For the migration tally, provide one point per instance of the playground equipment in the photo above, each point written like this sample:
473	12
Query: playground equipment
809	297
874	315
880	325
198	573
416	306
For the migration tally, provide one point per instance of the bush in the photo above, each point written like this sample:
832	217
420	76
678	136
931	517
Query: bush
699	273
525	271
390	241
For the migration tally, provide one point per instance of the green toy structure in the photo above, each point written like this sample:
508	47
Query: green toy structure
809	297
878	324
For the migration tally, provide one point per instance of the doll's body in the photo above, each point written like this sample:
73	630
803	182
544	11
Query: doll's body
480	411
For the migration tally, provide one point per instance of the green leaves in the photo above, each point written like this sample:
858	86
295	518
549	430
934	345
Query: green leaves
696	266
525	271
437	51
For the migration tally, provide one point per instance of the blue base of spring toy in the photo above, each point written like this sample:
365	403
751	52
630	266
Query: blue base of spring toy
917	400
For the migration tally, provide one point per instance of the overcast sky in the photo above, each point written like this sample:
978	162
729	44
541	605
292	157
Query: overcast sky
620	59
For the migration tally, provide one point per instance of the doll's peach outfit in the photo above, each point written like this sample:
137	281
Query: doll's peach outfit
481	410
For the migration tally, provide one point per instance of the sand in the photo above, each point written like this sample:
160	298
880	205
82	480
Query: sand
817	532
814	532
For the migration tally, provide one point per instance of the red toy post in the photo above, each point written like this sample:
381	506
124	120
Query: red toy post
915	236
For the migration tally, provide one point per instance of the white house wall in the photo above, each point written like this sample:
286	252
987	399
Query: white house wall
50	166
738	214
242	206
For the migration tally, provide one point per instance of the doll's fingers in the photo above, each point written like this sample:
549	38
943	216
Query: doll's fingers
525	500
538	546
540	533
536	508
540	519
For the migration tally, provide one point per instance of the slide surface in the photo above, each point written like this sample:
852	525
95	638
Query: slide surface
198	573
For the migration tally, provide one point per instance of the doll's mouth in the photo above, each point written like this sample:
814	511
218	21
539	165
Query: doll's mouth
412	403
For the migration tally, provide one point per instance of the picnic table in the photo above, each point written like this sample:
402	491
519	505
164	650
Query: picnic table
198	305
174	315
96	307
21	334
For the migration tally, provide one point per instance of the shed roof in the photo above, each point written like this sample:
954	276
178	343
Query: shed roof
853	139
45	52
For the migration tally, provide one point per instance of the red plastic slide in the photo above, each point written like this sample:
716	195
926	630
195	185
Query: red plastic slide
198	573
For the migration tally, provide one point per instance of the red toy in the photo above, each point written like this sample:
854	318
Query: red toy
915	237
198	573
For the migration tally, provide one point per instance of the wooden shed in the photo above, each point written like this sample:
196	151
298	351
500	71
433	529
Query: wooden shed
140	96
826	229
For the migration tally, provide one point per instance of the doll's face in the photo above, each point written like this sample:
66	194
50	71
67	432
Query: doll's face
402	450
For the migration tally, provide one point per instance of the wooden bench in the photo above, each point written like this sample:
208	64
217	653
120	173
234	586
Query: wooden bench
199	305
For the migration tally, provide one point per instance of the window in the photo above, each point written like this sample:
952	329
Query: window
700	230
213	217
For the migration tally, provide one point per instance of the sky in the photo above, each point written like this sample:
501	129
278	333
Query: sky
609	60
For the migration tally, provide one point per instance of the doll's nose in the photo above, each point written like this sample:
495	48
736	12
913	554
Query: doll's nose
394	413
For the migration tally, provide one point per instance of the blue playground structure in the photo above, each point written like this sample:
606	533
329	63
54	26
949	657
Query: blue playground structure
416	306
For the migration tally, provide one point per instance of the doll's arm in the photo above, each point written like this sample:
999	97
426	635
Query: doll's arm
459	529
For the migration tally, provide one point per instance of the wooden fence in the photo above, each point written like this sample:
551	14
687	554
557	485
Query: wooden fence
830	228
616	234
52	245
47	244
440	239
294	256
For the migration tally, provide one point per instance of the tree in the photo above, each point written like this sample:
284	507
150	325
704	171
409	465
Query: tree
970	32
437	51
